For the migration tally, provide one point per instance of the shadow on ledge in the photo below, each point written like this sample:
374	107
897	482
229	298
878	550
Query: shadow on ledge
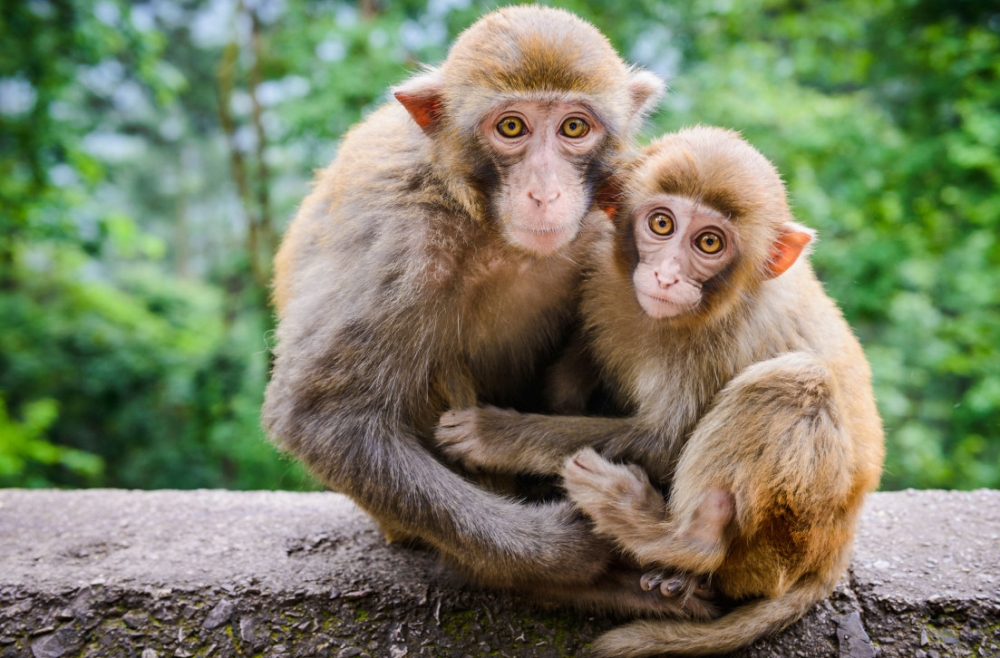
217	573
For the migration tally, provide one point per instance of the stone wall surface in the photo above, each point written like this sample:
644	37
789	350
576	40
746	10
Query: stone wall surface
216	573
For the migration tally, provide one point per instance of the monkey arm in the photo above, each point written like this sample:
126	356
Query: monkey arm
359	445
348	395
619	498
507	441
353	395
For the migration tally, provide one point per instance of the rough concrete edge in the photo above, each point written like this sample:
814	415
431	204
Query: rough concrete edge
98	620
102	621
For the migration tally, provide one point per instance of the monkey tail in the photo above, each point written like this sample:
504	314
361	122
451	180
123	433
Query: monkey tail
733	631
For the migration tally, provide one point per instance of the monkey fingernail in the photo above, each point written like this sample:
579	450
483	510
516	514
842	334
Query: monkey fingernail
650	581
672	587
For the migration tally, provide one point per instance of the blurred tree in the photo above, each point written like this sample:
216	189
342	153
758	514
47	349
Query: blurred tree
123	376
23	447
150	152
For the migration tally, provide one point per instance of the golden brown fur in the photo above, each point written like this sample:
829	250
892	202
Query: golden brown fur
401	293
754	410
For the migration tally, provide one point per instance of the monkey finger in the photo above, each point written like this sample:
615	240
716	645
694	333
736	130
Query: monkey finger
588	468
586	459
587	473
703	587
651	580
669	585
452	437
456	445
458	418
580	482
674	586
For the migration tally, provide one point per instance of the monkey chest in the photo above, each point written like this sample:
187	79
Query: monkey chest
669	396
511	318
507	307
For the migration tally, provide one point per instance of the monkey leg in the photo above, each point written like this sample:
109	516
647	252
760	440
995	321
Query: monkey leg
545	551
488	438
627	509
370	455
773	443
767	463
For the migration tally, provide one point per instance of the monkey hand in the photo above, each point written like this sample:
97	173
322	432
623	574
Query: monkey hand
618	497
507	441
500	440
458	436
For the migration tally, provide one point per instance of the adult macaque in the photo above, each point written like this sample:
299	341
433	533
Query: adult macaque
435	265
752	401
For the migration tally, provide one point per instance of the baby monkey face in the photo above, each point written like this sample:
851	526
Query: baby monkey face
681	243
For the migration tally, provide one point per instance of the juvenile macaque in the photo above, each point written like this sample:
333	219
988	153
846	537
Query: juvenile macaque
436	265
752	401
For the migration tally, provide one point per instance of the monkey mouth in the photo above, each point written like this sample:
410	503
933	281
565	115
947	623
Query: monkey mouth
663	307
555	230
542	241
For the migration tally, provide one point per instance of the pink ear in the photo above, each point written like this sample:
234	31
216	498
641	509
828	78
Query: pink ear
787	248
421	96
425	110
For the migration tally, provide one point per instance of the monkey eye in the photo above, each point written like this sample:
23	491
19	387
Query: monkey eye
709	242
511	127
661	224
574	127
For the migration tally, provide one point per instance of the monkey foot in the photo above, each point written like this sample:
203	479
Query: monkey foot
673	584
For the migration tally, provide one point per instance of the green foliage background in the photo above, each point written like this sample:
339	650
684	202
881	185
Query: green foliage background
151	153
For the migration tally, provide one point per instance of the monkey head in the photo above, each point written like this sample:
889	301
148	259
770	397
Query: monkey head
705	221
527	117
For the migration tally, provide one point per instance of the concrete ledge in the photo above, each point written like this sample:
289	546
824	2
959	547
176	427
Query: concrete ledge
216	573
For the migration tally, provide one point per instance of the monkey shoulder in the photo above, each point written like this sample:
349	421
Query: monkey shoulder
663	369
380	174
805	344
376	216
796	314
387	140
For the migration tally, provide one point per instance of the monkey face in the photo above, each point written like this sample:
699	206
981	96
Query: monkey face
542	150
681	244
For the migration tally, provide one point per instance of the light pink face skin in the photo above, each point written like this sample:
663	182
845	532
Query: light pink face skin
544	199
673	266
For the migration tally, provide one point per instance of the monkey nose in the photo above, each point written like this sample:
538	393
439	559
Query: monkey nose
666	276
545	197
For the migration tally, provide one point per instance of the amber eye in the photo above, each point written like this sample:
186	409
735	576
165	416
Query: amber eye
574	127
511	127
661	223
710	243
